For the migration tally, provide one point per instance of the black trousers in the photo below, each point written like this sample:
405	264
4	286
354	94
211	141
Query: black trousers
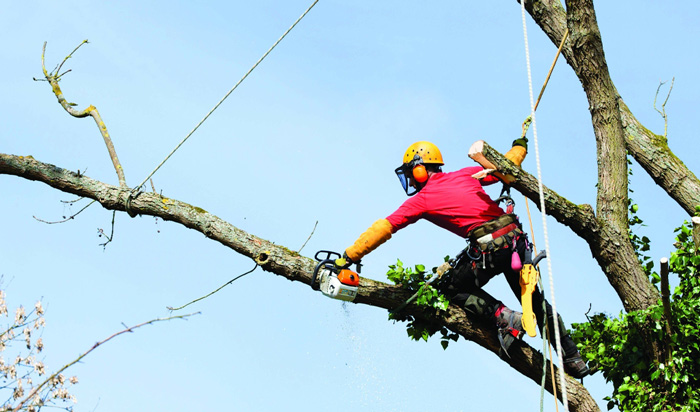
464	285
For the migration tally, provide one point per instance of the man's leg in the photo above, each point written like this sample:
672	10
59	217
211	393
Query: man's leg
464	289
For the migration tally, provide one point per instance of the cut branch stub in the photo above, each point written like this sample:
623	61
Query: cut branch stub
263	257
476	153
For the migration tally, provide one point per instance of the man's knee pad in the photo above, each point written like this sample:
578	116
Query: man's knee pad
480	304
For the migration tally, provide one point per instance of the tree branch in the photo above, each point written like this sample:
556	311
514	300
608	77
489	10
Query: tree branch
95	346
53	79
282	261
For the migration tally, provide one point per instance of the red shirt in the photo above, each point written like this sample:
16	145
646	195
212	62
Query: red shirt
454	201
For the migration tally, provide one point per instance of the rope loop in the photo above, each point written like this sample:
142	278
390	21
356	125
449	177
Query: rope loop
129	198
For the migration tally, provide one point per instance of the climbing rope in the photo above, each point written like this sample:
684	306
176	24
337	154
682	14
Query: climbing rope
557	332
547	338
546	343
138	188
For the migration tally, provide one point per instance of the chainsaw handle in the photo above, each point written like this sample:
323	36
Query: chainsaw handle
328	255
318	267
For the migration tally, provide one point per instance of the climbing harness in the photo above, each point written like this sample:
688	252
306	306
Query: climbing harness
137	189
505	197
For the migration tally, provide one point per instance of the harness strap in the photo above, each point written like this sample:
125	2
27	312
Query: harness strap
498	233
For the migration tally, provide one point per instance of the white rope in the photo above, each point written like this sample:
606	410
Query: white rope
137	188
557	332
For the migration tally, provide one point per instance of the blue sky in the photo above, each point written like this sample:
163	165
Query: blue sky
313	135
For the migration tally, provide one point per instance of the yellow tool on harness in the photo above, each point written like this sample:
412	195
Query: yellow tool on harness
528	281
529	276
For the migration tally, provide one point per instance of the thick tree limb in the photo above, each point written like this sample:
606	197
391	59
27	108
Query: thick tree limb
282	261
657	159
587	45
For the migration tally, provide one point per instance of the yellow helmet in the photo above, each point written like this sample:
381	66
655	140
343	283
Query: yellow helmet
426	150
412	172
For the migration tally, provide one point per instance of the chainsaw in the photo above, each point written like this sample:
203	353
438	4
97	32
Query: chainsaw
333	281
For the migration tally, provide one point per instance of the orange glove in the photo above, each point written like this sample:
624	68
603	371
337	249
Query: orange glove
517	153
378	233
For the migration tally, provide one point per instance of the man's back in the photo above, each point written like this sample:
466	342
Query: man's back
454	201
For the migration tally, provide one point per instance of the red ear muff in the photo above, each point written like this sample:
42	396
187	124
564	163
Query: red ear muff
420	174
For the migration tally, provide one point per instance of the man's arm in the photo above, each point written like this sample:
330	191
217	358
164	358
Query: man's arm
381	230
378	233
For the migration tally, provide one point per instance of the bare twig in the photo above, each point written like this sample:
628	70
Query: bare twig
309	238
68	57
218	289
70	202
69	217
95	346
111	235
53	79
662	112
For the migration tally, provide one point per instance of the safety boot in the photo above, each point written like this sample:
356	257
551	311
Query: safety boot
576	367
510	327
574	364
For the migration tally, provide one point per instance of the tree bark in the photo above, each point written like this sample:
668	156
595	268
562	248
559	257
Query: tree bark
284	262
587	45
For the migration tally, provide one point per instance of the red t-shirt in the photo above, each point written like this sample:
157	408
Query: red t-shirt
455	201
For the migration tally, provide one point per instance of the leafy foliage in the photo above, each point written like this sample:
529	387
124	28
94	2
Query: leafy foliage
614	344
414	279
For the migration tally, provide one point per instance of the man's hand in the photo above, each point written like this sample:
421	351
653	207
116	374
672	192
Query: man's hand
344	261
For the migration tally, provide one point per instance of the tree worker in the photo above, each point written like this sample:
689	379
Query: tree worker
456	201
